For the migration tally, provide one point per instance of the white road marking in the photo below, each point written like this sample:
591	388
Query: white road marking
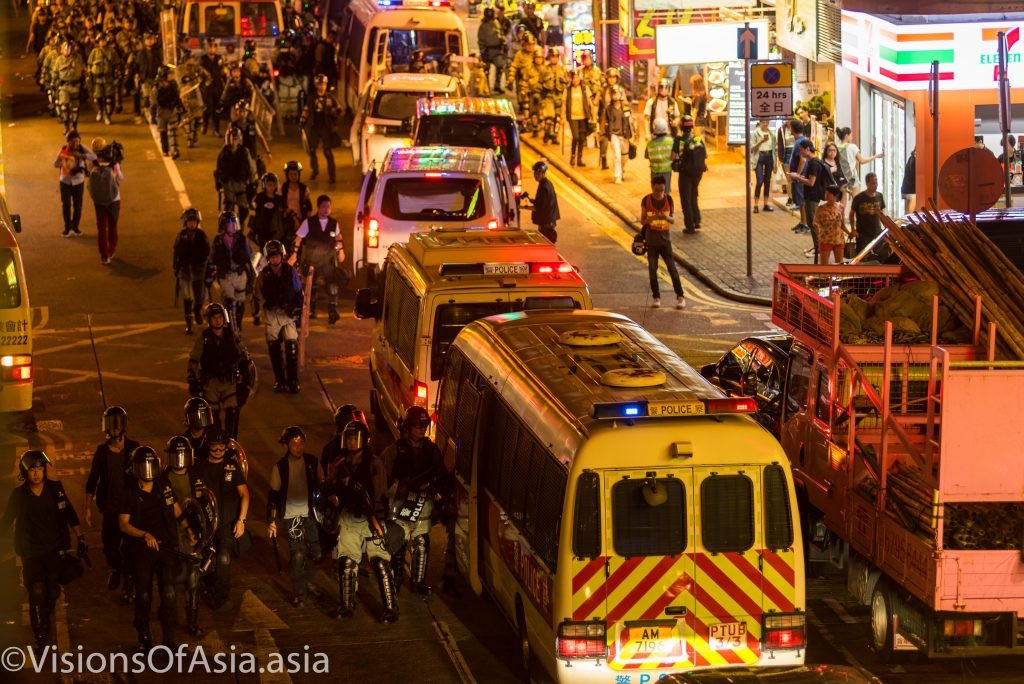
840	611
152	327
172	171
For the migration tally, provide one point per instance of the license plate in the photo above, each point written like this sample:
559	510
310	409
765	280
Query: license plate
506	269
728	636
654	641
675	408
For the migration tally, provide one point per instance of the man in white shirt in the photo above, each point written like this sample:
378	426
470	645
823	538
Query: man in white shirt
319	237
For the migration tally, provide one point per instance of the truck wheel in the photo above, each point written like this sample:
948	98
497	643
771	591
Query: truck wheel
882	636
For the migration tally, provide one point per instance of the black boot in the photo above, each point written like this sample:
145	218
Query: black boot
604	163
164	143
388	593
188	317
347	583
40	619
291	359
274	349
418	564
197	312
128	589
231	416
255	311
332	310
398	568
239	315
145	641
192	622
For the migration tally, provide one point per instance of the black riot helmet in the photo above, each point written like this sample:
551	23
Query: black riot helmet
355	431
273	248
320	79
269	177
163	71
191	214
33	458
145	464
179	452
198	415
115	421
290	433
216	309
345	415
416	415
224	219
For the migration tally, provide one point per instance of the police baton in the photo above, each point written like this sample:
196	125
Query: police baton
277	556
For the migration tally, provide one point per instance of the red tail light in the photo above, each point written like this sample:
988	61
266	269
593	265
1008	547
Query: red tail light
275	73
492	224
582	640
421	394
373	232
559	267
732	405
20	366
784	631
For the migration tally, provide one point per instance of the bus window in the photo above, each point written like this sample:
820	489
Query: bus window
640	529
259	20
727	513
10	288
220	21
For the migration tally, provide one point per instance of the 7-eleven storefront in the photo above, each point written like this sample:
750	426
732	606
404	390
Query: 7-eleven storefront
889	63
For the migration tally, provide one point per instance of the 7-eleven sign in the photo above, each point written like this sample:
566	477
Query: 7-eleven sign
1012	36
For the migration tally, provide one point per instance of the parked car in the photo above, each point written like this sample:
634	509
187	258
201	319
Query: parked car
755	367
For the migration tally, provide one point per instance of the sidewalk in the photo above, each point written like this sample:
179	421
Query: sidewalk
717	255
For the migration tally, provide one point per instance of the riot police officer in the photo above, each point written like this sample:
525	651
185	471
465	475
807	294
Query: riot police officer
105	486
198	419
191	251
103	64
554	81
242	118
319	120
491	39
168	110
213	64
235	171
43	515
187	485
281	293
416	474
521	72
294	482
322	248
193	80
213	364
69	71
334	448
357	486
148	515
232	259
148	63
224	473
237	88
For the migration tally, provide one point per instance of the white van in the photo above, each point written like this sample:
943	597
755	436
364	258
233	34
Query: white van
232	23
418	189
15	319
437	283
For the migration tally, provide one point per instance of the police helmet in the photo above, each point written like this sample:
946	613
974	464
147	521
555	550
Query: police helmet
233	133
216	435
269	177
416	416
224	219
540	165
101	37
179	452
664	83
320	79
164	71
346	414
198	415
686	121
358	431
660	127
290	433
528	38
191	214
216	309
33	458
249	46
67	47
538	57
145	464
293	166
488	13
115	421
273	248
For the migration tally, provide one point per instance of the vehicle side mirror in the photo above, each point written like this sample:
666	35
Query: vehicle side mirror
750	384
16	222
365	306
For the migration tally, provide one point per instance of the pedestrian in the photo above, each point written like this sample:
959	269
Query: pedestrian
698	104
829	227
267	221
294	480
319	122
280	291
147	517
796	164
545	214
212	365
813	179
71	161
761	150
357	488
491	39
323	250
235	170
659	153
191	251
186	483
553	17
105	486
231	256
297	200
43	516
104	181
851	159
603	102
661	106
908	187
616	125
689	159
830	159
656	218
866	211
416	471
224	475
578	114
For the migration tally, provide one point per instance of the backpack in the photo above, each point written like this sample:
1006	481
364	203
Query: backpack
103	185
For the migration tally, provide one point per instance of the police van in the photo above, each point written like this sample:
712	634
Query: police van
232	23
417	189
625	515
437	283
15	319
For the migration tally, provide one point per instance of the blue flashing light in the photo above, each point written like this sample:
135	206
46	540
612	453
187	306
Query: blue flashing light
631	411
625	409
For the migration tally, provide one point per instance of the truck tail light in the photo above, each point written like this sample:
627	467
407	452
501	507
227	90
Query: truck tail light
20	366
492	224
962	628
581	640
421	394
373	232
732	405
784	631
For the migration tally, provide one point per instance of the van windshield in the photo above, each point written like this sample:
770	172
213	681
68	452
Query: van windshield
220	21
433	199
495	133
397	105
10	288
259	20
402	43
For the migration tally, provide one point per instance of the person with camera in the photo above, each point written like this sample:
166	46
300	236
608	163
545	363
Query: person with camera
104	190
656	211
42	515
71	161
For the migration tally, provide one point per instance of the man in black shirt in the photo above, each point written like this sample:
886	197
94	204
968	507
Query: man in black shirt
866	213
148	514
814	179
545	205
43	513
656	211
105	486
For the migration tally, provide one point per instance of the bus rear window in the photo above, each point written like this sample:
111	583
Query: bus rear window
259	20
10	288
727	513
642	527
450	319
220	21
433	199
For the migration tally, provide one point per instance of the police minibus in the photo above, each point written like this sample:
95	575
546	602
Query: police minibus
15	319
624	514
437	283
232	23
